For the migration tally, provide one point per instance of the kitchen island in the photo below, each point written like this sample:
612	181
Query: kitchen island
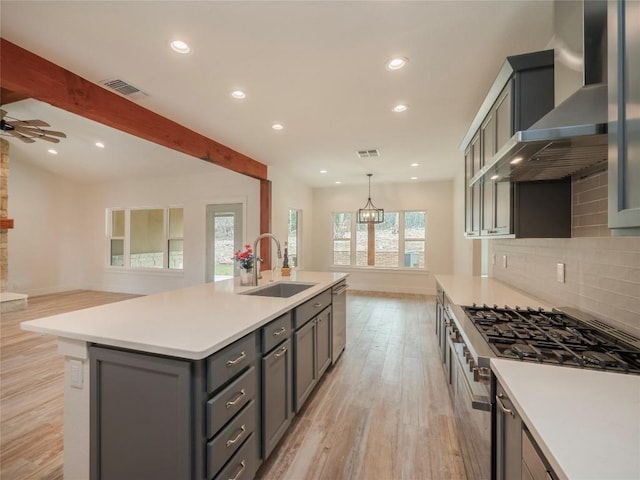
190	324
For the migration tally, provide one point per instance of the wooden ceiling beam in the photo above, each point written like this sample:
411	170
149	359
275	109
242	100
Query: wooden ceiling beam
7	96
27	75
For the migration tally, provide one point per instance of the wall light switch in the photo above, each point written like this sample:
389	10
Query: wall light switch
493	259
504	261
560	272
75	373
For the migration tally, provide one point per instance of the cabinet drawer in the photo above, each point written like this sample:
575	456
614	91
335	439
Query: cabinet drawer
243	464
229	440
222	407
311	308
225	364
275	332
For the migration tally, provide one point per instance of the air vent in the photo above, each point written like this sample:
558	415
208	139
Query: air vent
123	88
368	153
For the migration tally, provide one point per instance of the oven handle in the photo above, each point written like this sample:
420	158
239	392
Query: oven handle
478	402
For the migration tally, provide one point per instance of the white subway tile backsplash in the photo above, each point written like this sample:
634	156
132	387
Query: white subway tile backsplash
602	274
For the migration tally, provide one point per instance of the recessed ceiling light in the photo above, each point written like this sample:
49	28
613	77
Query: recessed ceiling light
180	47
338	182
396	63
516	160
323	171
277	126
495	177
99	144
414	178
239	94
415	164
52	151
400	108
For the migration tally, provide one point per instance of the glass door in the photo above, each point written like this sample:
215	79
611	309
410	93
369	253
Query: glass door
224	237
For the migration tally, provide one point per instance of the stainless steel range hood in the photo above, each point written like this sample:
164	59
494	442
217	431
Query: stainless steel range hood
572	137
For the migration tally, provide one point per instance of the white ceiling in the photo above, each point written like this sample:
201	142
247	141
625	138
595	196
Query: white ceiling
316	67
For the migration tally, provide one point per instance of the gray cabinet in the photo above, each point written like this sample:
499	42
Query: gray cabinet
323	337
473	193
311	345
306	370
521	94
624	116
508	444
156	417
277	383
141	416
516	455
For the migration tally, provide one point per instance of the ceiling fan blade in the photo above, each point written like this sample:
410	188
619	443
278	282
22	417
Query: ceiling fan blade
29	123
53	133
18	135
48	139
38	132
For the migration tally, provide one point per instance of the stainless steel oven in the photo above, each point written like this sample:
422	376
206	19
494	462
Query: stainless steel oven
469	386
564	337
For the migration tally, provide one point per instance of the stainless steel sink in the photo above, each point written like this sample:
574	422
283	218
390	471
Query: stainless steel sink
280	289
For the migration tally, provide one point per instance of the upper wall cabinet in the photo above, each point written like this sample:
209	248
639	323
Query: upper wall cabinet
521	94
624	116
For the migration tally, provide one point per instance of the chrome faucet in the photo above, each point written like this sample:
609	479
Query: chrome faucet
256	272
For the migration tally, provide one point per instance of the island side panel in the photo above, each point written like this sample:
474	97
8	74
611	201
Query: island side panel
76	408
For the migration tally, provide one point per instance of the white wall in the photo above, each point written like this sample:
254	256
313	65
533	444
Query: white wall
286	193
434	197
193	192
45	246
59	242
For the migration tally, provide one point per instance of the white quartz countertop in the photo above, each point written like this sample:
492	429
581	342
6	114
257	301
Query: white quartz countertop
587	423
467	290
191	322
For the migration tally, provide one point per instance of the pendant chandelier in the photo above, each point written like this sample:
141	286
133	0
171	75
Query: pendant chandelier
370	214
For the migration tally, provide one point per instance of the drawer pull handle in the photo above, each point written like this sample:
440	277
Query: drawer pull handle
231	403
280	353
238	437
241	357
317	305
502	407
277	333
237	475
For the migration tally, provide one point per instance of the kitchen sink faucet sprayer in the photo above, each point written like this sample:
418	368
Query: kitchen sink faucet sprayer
256	271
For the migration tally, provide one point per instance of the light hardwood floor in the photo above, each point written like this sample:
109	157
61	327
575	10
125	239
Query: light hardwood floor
31	387
383	412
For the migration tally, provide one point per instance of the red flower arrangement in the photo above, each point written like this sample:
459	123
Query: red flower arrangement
245	258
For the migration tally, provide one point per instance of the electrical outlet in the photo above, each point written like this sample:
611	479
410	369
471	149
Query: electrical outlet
75	373
504	261
560	272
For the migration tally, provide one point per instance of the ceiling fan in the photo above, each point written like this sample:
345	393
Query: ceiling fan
27	130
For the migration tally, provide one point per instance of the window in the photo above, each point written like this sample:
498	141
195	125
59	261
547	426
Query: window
398	242
176	241
293	237
117	239
146	238
342	238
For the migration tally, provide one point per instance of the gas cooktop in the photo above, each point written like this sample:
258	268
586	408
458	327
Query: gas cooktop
556	338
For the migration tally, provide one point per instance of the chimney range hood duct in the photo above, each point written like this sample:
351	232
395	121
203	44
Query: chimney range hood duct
573	136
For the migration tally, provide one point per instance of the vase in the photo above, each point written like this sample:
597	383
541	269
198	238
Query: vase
246	276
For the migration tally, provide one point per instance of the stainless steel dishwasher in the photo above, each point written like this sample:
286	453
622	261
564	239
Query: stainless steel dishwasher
339	310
